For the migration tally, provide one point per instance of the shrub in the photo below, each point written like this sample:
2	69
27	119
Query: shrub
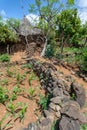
83	127
44	101
4	58
84	62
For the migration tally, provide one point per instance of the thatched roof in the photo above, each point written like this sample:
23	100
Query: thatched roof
26	28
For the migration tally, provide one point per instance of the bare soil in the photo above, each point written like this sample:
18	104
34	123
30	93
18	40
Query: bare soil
30	115
33	112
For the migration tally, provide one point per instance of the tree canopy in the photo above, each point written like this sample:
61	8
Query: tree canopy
47	11
7	35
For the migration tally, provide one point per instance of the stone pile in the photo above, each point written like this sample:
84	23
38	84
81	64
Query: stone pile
68	97
30	49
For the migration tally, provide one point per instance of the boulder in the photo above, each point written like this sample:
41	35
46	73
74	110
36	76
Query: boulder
67	123
71	109
79	92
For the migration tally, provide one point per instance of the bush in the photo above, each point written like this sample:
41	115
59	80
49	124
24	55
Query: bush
84	62
44	101
4	58
83	127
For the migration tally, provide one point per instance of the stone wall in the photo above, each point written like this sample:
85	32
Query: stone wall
68	97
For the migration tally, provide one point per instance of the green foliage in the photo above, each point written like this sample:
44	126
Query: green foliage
15	92
44	101
83	127
4	58
17	89
31	93
20	78
9	72
4	81
11	107
69	27
50	50
48	10
73	96
29	66
32	77
7	35
18	109
84	63
55	125
4	95
13	24
23	111
3	127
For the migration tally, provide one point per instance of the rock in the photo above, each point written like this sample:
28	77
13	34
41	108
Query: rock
57	108
67	123
52	106
58	115
49	115
79	91
82	118
69	78
58	92
46	124
85	79
72	72
56	100
71	109
33	126
54	84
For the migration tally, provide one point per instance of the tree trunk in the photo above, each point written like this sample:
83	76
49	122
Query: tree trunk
44	49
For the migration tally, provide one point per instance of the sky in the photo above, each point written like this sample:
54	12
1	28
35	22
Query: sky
19	8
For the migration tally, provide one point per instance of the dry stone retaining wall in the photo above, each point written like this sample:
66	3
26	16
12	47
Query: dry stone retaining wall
68	97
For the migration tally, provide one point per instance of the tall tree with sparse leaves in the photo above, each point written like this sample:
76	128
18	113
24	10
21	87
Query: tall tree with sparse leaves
47	11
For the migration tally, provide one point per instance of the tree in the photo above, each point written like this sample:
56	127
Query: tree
7	35
70	30
13	24
47	11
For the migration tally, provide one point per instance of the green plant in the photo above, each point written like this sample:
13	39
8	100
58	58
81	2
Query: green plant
31	92
73	96
17	89
4	81
4	58
20	78
4	95
13	108
29	66
48	16
44	101
32	77
55	125
83	127
2	121
10	73
84	62
23	111
13	97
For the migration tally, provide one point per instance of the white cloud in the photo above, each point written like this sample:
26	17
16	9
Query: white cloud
82	3
2	13
82	9
83	15
34	19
